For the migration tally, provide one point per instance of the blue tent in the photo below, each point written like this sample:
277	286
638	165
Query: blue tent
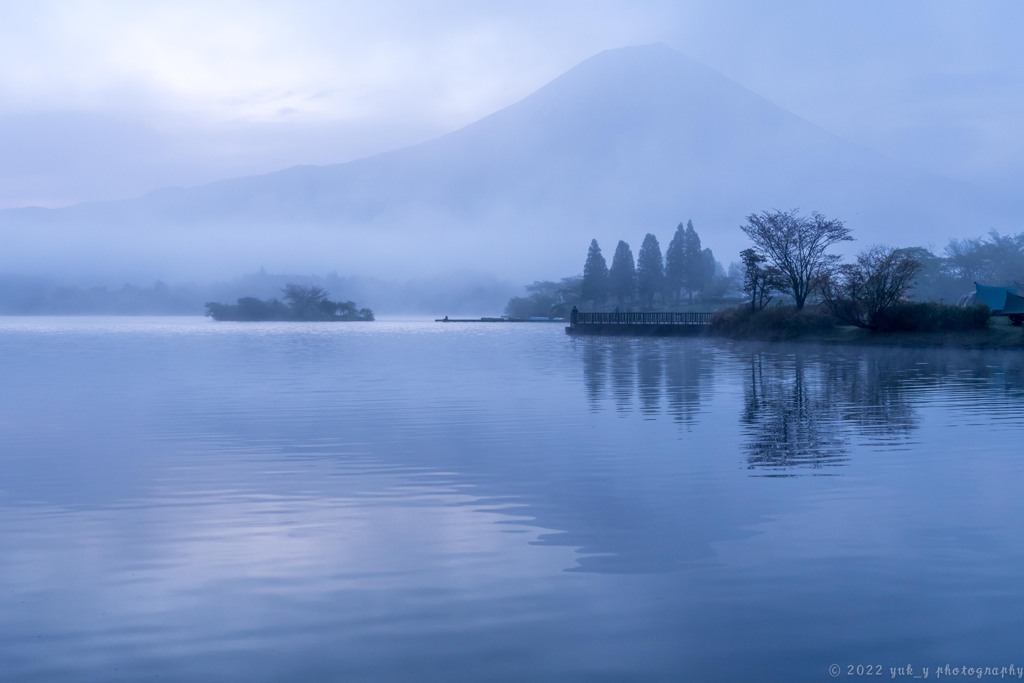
993	297
1014	304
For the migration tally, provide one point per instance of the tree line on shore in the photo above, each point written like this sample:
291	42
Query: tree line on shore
791	257
685	269
652	281
790	261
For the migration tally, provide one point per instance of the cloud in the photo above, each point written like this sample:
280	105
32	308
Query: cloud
175	93
242	87
231	60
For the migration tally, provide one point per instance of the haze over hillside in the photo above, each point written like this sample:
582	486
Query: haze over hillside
633	140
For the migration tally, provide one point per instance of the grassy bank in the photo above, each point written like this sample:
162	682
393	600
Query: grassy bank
998	335
786	324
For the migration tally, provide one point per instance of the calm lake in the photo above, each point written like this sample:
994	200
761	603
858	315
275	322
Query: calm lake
185	500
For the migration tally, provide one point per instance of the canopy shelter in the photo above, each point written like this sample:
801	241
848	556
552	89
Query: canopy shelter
1014	304
1014	308
993	297
1001	301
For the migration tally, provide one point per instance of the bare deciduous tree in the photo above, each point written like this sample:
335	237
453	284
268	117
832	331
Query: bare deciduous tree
797	246
759	281
858	292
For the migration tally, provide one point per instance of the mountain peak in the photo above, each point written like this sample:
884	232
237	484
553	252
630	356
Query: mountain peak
649	54
631	140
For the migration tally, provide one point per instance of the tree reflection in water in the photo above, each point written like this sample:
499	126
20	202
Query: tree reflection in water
789	417
623	373
647	374
650	372
804	407
686	375
594	372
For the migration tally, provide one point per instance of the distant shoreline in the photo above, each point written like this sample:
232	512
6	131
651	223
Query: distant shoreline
999	335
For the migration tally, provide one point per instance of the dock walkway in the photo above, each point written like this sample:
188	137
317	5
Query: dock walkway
643	324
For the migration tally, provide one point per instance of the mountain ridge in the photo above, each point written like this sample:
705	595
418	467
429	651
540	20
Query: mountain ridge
631	140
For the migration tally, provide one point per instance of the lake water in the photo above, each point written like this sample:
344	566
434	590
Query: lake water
186	500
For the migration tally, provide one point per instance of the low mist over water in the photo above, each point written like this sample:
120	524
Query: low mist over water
393	501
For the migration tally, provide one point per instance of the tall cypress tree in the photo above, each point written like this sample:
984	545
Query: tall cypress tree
675	263
595	276
710	266
696	276
650	270
622	275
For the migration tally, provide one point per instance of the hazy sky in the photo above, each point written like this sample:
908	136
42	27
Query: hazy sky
107	99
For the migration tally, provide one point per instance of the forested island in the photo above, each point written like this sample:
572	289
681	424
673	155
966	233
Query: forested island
304	303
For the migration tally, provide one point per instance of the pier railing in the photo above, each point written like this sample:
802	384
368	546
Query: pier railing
665	318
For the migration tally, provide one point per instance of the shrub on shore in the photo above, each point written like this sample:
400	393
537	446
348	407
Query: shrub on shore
785	322
772	323
932	317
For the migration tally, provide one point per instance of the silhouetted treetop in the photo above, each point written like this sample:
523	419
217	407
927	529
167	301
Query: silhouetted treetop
650	270
798	246
595	276
304	303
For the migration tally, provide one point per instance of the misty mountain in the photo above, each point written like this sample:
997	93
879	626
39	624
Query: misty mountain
633	140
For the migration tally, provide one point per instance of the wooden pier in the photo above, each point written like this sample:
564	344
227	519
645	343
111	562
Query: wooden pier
502	319
640	324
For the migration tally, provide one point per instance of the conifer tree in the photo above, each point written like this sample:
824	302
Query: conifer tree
595	276
675	263
622	275
696	272
650	270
